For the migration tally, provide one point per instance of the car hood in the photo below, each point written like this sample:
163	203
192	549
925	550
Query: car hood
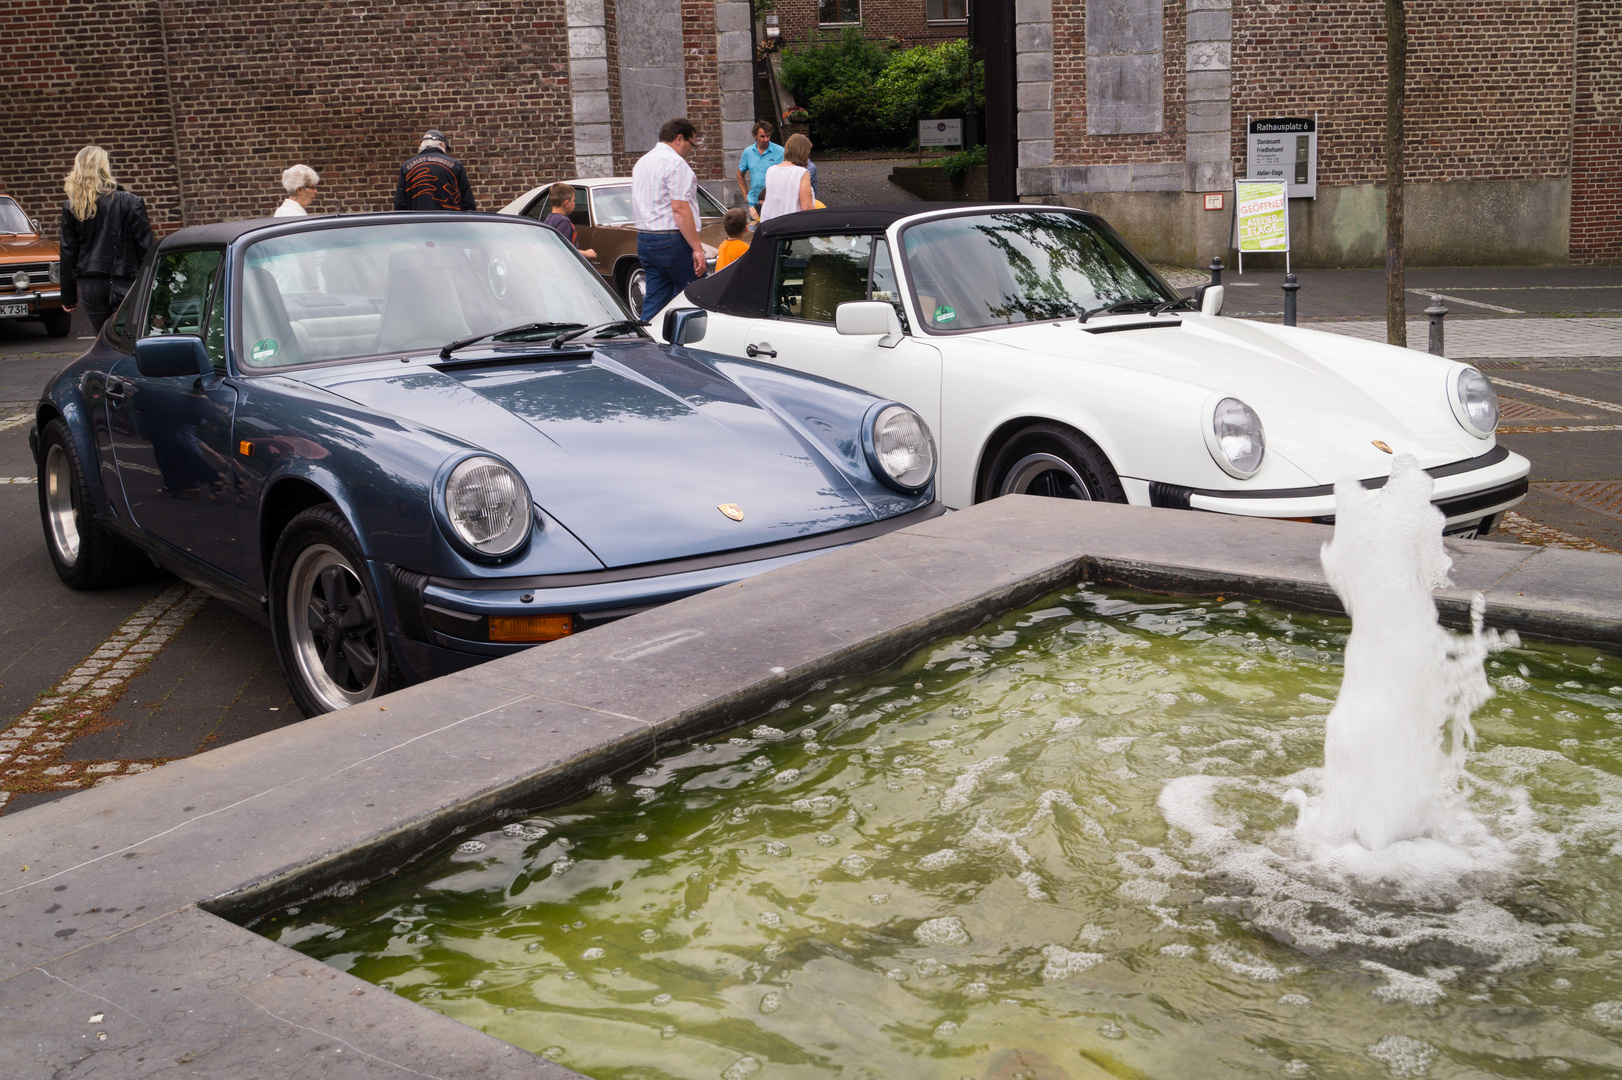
1324	399
633	452
27	248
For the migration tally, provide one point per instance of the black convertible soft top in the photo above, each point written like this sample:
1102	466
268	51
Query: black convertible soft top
745	287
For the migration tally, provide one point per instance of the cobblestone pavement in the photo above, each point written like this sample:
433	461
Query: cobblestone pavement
1482	339
861	183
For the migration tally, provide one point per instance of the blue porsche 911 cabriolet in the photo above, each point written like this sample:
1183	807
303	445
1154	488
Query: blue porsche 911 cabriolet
413	442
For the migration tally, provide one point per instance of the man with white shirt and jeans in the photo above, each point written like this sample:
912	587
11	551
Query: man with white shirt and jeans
664	207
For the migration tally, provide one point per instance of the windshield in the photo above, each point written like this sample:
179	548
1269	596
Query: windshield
12	218
331	294
612	205
996	269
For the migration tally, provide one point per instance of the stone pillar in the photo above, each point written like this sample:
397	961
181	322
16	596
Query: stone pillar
1033	73
734	50
588	87
1208	110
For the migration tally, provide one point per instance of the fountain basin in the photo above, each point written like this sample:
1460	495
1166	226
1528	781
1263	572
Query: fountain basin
132	888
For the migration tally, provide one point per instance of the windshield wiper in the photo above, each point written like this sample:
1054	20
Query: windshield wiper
627	324
523	328
1160	309
1119	305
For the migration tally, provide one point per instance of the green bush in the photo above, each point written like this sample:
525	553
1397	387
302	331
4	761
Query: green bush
958	165
862	95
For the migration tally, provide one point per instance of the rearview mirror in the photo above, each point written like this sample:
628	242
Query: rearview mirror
1211	300
685	326
165	357
863	317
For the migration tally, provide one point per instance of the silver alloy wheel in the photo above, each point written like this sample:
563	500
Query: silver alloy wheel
636	290
333	627
1047	475
60	516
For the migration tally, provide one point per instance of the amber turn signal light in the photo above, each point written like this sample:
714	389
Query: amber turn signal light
528	629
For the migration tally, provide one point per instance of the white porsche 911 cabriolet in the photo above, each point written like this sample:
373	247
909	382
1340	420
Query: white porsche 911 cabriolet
1049	359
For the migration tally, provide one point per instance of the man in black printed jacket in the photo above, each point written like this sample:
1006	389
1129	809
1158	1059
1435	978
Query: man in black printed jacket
433	180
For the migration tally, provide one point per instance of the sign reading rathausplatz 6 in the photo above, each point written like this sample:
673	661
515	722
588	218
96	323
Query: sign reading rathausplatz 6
1261	218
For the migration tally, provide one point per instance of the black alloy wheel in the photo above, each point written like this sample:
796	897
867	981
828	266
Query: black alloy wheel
1052	461
326	622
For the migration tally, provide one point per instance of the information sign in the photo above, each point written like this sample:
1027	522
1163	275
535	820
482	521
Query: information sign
940	133
1261	218
1285	148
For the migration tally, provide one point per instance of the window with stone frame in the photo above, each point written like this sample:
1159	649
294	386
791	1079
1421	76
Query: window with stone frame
946	10
838	11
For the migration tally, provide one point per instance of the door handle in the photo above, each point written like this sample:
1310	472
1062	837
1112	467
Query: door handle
763	349
117	389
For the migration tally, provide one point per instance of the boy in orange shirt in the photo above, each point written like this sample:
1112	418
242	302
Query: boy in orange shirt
736	223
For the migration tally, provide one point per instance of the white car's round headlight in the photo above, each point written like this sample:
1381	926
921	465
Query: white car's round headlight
900	450
488	506
1235	438
1475	402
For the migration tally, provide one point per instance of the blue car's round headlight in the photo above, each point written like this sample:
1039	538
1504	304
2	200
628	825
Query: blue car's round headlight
899	449
487	506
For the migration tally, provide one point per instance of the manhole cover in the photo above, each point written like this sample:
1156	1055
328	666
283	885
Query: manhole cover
1516	411
1604	496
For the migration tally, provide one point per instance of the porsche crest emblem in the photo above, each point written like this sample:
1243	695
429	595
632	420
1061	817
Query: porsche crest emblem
1379	445
731	510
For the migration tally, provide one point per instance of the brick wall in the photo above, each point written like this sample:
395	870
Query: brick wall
1071	143
345	87
703	84
1489	84
1596	165
904	20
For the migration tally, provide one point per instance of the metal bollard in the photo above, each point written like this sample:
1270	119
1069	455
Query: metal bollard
1291	287
1436	312
1216	270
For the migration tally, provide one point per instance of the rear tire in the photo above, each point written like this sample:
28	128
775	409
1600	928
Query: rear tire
57	323
325	617
1054	461
85	555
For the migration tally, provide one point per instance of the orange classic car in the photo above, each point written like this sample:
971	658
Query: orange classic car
30	271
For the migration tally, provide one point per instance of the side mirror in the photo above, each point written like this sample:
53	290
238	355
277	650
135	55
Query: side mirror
685	326
34	221
166	357
1210	299
864	317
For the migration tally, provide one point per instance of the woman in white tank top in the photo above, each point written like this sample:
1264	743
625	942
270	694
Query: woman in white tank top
788	185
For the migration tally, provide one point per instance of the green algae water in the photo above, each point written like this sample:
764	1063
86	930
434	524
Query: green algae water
964	867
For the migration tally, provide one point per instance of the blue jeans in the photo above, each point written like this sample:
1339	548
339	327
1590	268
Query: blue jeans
668	263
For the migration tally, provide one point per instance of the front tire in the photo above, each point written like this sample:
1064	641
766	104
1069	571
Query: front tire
85	555
634	287
324	616
57	323
1054	461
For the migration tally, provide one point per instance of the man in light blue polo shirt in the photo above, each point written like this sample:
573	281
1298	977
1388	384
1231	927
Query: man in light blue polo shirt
755	161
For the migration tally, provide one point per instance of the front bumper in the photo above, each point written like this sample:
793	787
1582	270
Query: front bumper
1470	493
454	614
38	300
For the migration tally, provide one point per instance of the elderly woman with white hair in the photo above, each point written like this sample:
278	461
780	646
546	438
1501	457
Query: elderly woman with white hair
299	181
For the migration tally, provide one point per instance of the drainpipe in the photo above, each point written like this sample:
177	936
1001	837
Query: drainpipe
174	127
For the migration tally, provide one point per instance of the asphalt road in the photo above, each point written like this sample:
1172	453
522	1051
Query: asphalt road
179	673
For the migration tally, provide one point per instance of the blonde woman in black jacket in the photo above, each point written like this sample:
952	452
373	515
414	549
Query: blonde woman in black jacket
105	235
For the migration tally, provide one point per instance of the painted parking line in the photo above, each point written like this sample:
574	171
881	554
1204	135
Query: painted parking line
1561	395
31	750
1556	429
16	420
1472	303
18	479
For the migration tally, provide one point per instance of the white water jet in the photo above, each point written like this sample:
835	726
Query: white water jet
1395	741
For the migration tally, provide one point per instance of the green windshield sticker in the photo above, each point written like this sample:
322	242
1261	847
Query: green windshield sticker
945	314
264	349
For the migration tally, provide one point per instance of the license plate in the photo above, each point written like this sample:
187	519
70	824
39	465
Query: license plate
13	311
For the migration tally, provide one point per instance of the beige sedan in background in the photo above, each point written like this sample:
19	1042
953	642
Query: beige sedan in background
602	222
